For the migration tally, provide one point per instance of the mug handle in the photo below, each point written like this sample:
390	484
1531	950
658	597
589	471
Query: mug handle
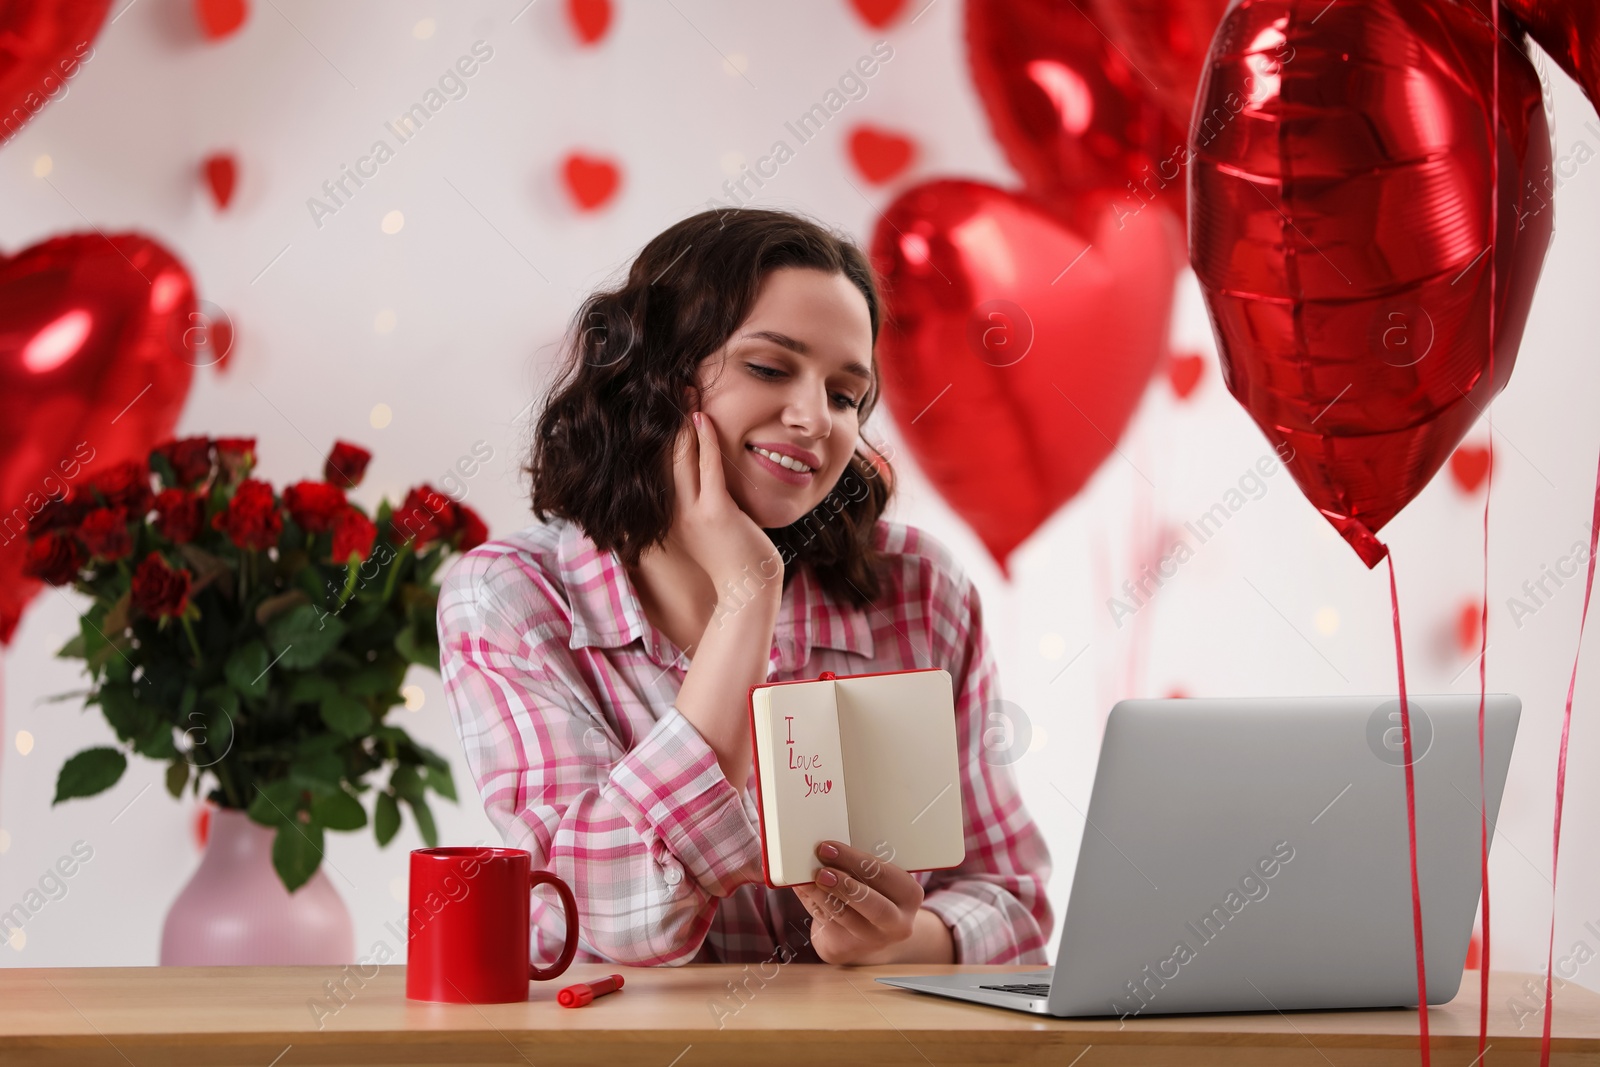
569	949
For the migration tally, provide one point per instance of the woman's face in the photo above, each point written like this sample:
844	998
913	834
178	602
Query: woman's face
790	381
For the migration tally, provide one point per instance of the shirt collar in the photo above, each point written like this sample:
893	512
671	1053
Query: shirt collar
606	612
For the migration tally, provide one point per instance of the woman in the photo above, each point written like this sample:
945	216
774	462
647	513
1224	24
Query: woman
707	523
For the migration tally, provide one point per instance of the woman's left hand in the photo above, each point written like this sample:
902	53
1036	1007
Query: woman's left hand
871	905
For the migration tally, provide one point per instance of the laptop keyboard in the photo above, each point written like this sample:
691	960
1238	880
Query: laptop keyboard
1032	989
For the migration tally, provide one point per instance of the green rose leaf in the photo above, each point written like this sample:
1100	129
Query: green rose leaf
440	781
246	669
225	698
424	817
386	818
77	648
94	770
303	635
177	777
370	681
310	688
275	803
156	741
345	714
128	716
339	811
407	783
422	651
296	852
430	757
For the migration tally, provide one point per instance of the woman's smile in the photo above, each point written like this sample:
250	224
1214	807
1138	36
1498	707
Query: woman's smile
784	468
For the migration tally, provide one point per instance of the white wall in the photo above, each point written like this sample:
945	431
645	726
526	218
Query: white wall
480	293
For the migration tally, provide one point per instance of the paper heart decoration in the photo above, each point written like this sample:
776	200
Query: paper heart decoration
92	373
590	18
880	154
217	347
219	18
41	47
1570	31
1166	41
1338	227
1068	110
1016	349
1183	372
221	172
1469	465
591	180
878	13
1469	617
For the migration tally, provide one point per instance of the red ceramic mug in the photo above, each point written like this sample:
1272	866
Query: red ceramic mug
469	925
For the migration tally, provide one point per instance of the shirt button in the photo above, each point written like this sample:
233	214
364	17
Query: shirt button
673	874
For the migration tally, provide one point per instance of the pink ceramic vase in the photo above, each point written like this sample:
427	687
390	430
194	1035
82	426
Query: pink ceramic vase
236	912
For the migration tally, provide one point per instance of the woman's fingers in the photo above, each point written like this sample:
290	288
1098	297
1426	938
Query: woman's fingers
830	908
685	467
855	895
825	910
710	455
892	881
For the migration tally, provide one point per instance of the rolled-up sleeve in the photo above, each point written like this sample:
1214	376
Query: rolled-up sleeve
995	902
649	838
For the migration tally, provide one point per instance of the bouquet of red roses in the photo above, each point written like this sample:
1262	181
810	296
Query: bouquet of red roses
252	640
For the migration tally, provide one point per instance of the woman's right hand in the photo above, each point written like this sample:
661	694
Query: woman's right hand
710	525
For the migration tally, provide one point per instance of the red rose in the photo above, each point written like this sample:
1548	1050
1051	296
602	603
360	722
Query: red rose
426	514
126	485
104	532
236	455
473	530
314	505
179	514
354	533
236	446
55	557
251	519
63	514
158	589
346	465
190	459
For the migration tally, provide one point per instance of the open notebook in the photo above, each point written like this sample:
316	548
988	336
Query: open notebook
868	759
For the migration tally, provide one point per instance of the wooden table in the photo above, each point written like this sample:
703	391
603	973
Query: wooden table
804	1014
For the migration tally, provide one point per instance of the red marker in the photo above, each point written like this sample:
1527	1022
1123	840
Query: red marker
576	996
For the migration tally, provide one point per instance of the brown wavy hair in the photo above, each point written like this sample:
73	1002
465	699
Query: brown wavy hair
602	449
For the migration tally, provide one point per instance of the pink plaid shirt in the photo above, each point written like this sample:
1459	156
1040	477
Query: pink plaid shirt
562	692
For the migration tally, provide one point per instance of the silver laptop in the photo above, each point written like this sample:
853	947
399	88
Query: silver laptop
1252	855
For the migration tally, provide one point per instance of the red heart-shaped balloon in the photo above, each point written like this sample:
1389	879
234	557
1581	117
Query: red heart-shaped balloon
1068	110
1340	229
1016	349
1469	465
1166	42
1570	31
93	371
42	44
878	13
591	180
880	154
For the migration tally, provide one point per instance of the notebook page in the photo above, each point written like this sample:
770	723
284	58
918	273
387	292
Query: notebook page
898	733
802	776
